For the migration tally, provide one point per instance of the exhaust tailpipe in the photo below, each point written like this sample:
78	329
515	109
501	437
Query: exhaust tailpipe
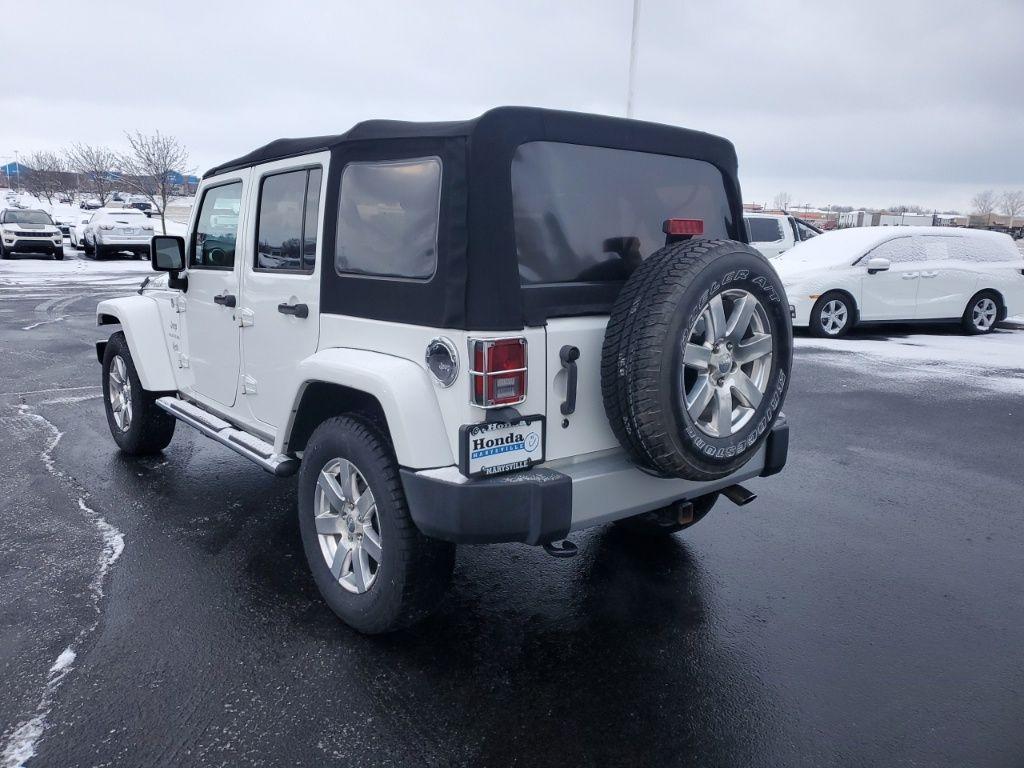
738	495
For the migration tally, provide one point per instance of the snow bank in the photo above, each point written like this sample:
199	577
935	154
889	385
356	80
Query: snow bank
993	361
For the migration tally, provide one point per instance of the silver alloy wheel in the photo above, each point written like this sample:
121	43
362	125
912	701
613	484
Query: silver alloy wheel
834	316
727	358
347	525
984	314
119	391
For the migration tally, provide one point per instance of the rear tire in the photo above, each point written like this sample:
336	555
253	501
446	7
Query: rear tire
665	520
138	425
982	313
832	316
413	571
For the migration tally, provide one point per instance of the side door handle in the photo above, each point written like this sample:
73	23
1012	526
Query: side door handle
296	310
910	275
929	274
569	355
225	300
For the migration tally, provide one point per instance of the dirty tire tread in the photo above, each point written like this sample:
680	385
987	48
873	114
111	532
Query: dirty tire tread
151	427
423	567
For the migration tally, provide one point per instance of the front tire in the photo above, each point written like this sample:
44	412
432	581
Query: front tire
832	316
138	425
373	567
982	314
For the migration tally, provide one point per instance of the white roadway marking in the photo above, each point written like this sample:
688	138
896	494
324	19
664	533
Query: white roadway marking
20	746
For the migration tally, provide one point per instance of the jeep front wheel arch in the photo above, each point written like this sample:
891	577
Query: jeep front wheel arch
696	359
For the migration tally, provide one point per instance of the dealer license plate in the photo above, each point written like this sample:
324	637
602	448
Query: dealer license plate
490	449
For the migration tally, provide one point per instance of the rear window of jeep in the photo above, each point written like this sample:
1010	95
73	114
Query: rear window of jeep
590	214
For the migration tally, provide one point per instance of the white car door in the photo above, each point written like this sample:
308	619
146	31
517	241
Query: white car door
892	294
947	279
280	305
215	253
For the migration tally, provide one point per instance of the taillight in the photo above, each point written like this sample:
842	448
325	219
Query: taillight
678	227
498	376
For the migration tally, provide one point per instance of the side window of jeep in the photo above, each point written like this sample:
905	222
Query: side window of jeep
388	217
213	243
287	220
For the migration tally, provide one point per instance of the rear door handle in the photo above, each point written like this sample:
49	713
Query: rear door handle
910	275
296	310
225	300
569	355
929	274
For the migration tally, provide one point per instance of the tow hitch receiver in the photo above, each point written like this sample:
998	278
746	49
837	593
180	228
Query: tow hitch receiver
738	495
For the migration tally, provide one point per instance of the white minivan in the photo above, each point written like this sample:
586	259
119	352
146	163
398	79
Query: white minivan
903	274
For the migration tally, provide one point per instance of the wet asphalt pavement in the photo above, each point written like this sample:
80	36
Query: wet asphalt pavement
868	609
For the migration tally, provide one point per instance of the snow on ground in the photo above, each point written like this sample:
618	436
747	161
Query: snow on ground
42	273
930	359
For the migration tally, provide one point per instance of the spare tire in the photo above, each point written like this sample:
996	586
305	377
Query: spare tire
696	359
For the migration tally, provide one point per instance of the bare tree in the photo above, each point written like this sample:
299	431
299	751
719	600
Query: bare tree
153	167
67	176
42	179
984	202
97	165
1011	203
782	201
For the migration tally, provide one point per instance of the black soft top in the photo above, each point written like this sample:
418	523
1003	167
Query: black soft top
477	283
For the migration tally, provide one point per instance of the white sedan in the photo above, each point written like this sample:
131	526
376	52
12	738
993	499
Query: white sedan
903	274
77	230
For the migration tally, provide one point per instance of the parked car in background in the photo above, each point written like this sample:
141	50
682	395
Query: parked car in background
140	204
64	222
90	204
29	232
775	233
110	232
903	274
77	231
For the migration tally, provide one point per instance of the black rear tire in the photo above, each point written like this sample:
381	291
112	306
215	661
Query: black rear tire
979	309
414	571
665	520
663	307
832	316
149	429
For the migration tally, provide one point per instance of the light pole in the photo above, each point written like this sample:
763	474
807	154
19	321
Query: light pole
633	46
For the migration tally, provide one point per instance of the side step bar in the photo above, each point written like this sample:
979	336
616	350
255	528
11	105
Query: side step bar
214	427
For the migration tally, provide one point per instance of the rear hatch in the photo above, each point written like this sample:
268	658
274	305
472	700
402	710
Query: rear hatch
585	217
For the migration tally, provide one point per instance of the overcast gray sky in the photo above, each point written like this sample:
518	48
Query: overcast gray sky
860	103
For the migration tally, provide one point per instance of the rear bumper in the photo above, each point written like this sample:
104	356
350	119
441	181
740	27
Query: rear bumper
546	503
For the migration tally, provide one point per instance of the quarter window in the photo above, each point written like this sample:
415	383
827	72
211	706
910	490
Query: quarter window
213	245
287	221
388	218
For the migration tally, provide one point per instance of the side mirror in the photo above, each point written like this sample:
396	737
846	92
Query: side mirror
167	254
877	264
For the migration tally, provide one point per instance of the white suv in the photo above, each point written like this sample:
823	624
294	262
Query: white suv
775	233
498	330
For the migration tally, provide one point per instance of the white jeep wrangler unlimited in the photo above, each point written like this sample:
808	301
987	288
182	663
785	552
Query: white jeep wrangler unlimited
498	330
